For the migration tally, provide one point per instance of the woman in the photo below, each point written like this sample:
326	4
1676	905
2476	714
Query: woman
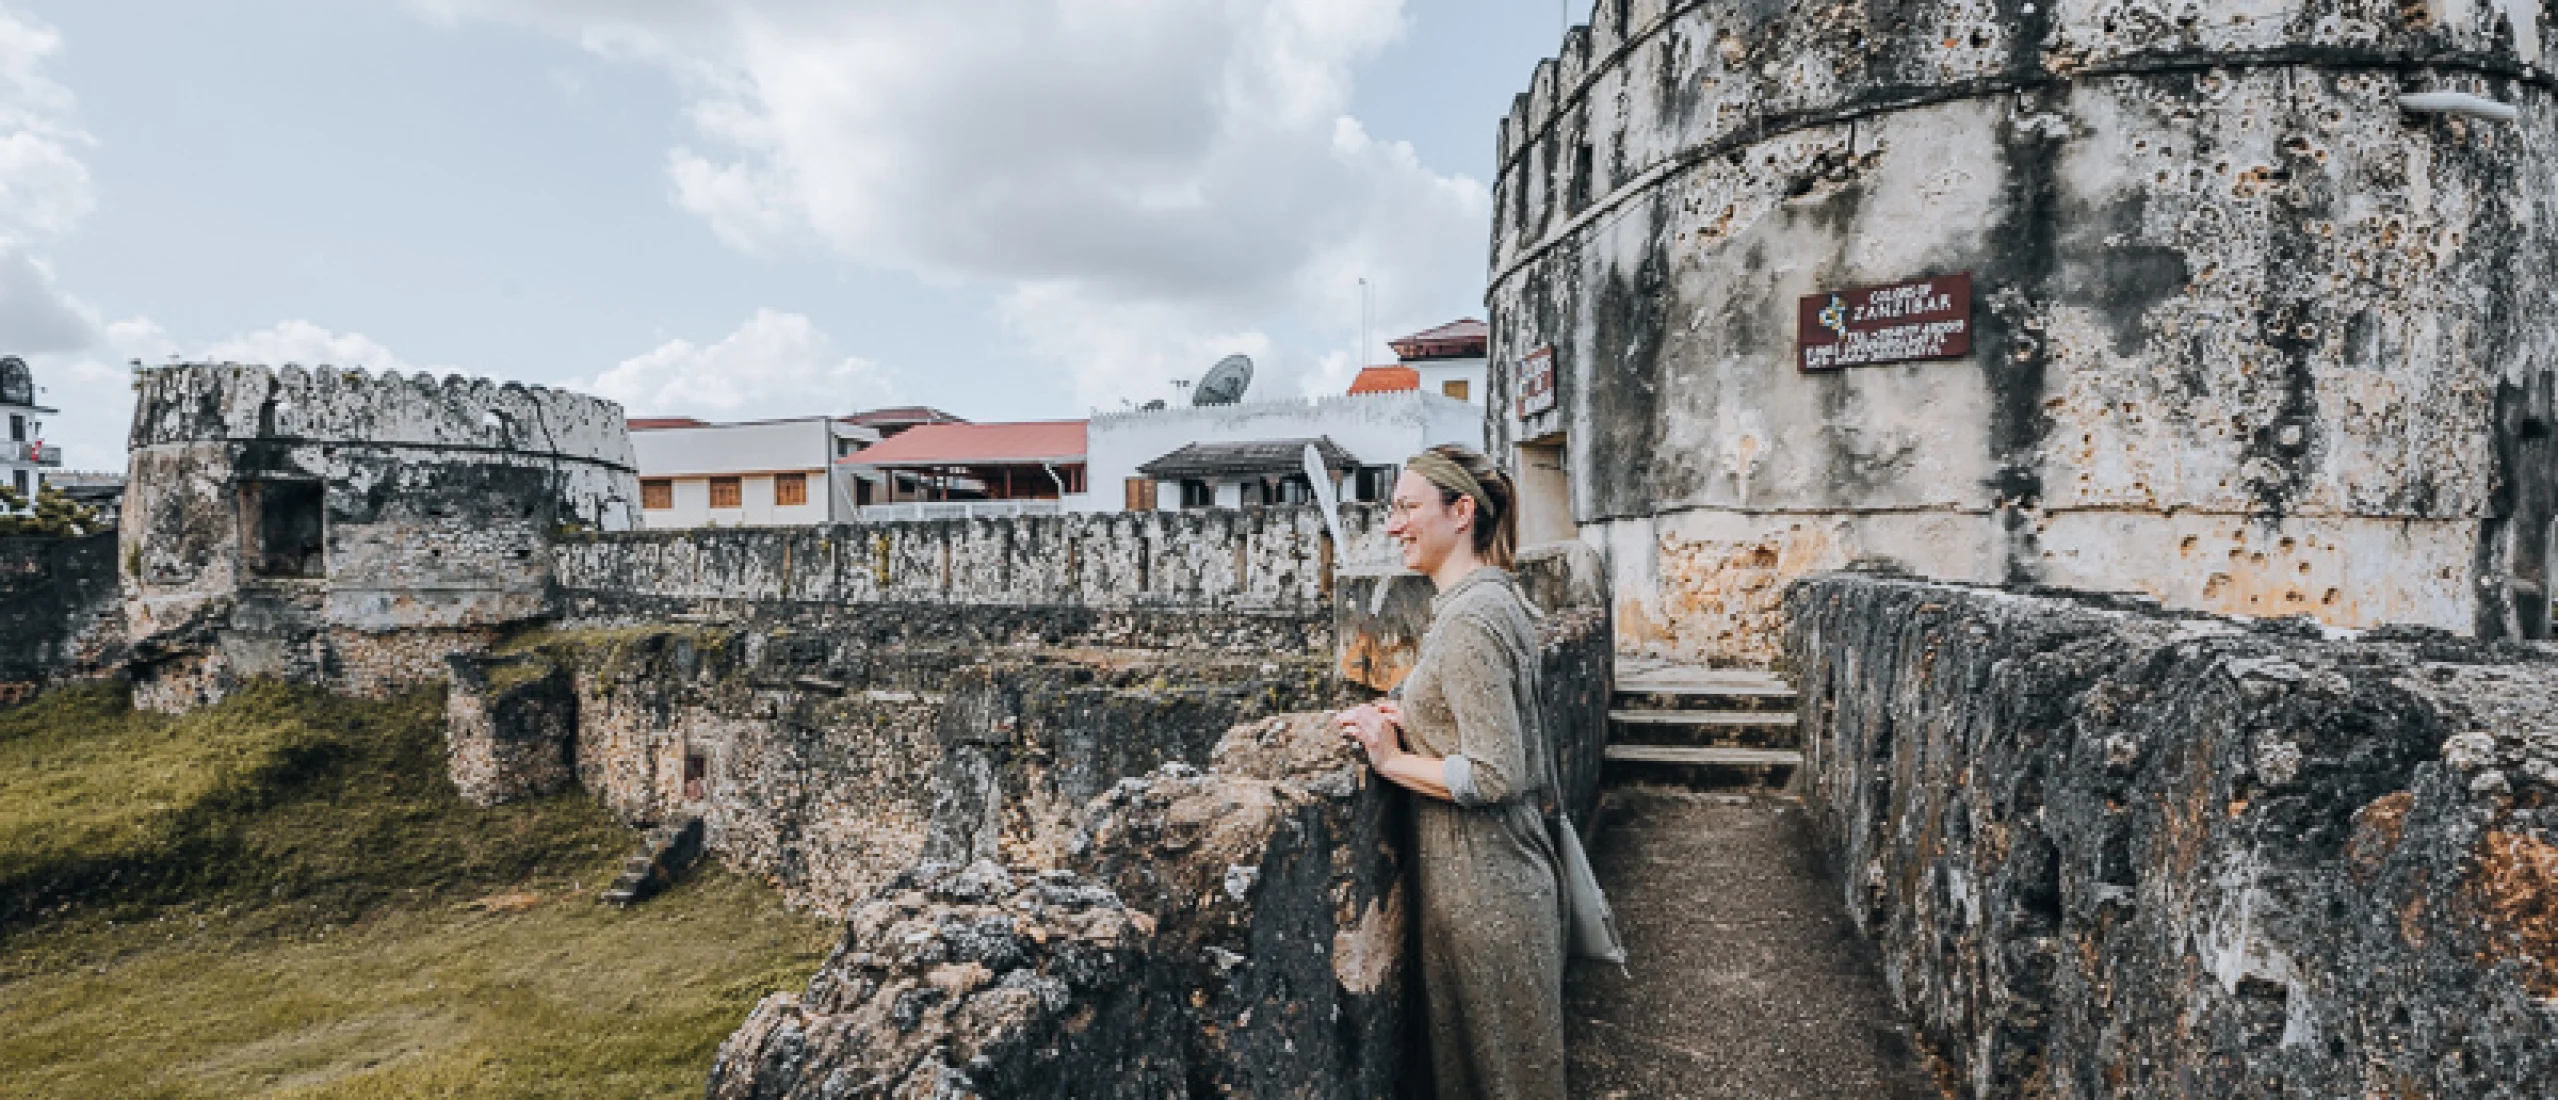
1463	735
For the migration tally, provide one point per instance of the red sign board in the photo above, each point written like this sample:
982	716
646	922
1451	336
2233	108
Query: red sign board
1536	382
1870	326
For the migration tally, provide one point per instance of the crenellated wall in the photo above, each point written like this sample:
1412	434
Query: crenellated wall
2248	337
1226	579
344	528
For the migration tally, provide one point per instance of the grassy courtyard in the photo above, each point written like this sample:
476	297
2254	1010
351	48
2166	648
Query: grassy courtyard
283	896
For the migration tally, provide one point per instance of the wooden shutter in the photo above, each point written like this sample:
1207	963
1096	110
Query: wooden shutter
657	495
725	493
790	489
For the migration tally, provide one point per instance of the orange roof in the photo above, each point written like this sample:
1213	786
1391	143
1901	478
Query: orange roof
959	444
652	423
1386	380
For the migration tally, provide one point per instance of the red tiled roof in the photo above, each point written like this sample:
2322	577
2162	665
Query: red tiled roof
653	423
962	444
1386	380
1465	337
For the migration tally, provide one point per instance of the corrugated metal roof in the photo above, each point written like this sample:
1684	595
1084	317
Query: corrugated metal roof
1462	338
960	444
903	414
1259	456
1386	380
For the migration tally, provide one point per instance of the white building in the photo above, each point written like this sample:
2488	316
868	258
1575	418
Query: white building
24	457
1450	360
762	473
1229	456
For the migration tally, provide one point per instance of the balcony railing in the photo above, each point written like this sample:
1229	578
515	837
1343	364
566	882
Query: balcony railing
36	453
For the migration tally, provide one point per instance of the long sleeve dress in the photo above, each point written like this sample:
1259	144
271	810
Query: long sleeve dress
1489	895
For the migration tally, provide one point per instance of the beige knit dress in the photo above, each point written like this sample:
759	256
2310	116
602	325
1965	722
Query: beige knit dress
1489	899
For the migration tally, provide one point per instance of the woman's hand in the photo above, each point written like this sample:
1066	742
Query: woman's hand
1378	734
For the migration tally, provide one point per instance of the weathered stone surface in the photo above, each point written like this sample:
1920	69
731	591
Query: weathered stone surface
342	529
1236	932
2109	849
1258	579
58	612
2249	337
831	765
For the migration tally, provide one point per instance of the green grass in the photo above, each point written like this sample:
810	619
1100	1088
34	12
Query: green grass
283	895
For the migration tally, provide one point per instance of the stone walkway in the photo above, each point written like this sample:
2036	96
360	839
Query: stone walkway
1746	979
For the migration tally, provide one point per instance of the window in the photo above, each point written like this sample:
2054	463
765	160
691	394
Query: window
1456	388
725	494
790	489
22	482
17	428
283	533
1198	494
1295	489
657	494
697	770
1374	484
1141	495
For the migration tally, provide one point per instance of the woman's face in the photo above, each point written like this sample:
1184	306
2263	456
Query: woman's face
1425	525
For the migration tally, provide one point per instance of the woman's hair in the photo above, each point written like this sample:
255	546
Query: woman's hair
1496	520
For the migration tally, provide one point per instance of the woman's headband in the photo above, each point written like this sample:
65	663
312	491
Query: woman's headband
1442	471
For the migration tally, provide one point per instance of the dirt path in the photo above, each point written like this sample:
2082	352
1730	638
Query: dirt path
1746	979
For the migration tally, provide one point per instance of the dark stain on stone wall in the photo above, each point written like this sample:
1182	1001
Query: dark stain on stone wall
59	615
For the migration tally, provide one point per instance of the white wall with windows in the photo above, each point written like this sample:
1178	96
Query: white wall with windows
769	473
1379	430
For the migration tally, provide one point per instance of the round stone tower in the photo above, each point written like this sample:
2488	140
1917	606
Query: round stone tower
2257	307
347	529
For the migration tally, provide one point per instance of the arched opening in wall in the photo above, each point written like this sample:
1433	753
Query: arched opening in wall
282	531
1545	492
697	773
1583	167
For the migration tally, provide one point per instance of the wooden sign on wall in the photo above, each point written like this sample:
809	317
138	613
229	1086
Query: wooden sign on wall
1536	382
1897	323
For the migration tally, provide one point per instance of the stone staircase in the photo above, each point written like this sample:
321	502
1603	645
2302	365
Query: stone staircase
669	851
1701	728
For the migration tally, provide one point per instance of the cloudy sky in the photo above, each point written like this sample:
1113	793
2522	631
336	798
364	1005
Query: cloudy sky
737	208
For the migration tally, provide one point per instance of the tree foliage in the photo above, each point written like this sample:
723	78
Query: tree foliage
55	513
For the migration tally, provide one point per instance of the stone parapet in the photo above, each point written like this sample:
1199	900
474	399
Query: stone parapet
2108	849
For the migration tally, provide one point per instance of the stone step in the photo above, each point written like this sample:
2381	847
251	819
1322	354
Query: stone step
1701	767
1716	755
1702	717
1759	685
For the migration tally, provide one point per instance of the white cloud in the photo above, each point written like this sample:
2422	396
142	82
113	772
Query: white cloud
35	315
306	344
44	189
775	364
1187	165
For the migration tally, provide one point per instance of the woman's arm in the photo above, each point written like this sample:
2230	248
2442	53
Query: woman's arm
1379	731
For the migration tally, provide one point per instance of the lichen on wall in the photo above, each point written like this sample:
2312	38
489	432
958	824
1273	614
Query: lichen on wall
2107	849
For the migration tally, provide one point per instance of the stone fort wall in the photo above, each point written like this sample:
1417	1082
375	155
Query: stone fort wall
345	528
2248	337
2108	849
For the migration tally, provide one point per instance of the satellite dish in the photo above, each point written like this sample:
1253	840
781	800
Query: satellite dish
1224	383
